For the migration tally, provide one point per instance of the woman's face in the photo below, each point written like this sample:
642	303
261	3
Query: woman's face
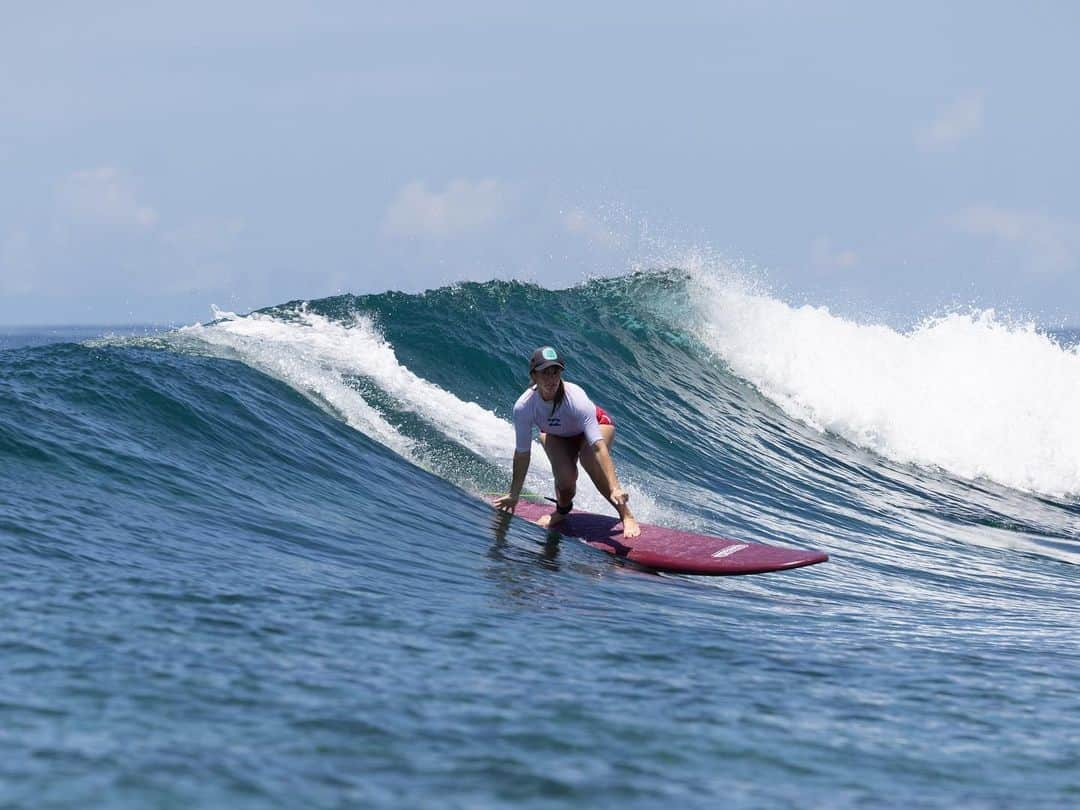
547	381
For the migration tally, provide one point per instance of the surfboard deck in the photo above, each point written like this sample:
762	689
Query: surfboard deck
672	550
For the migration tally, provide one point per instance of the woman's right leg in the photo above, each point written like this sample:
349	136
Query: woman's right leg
562	452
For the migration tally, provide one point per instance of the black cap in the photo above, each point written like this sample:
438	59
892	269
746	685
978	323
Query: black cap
544	357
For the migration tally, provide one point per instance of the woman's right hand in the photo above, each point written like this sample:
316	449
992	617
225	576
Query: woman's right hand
506	503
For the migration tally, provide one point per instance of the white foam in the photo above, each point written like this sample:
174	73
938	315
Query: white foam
316	356
299	358
968	393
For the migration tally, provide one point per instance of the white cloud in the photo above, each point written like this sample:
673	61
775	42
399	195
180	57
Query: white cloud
206	235
825	257
464	206
203	252
576	221
1047	244
104	196
961	119
595	230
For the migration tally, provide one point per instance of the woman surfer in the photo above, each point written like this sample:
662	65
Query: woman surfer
571	428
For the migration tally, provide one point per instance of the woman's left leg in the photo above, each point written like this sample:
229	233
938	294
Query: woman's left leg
592	466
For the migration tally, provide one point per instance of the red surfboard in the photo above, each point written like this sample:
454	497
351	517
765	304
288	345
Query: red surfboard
675	551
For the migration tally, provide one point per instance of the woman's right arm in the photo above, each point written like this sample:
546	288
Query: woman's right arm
521	467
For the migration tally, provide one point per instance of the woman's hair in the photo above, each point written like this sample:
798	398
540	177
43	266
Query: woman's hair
560	395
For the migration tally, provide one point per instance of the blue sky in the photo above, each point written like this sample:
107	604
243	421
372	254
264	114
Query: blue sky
886	160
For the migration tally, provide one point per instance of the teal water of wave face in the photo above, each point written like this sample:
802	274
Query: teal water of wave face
246	564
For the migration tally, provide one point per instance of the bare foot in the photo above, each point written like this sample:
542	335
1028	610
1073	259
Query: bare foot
550	521
630	527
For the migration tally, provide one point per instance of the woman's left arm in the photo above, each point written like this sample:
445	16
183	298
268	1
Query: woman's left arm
618	495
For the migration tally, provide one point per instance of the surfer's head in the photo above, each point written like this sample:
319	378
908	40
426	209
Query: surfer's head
545	370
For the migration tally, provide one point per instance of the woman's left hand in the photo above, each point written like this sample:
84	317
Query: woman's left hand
619	496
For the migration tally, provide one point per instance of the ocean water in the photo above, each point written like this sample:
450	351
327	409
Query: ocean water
246	563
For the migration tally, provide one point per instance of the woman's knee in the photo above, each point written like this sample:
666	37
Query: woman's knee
566	476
